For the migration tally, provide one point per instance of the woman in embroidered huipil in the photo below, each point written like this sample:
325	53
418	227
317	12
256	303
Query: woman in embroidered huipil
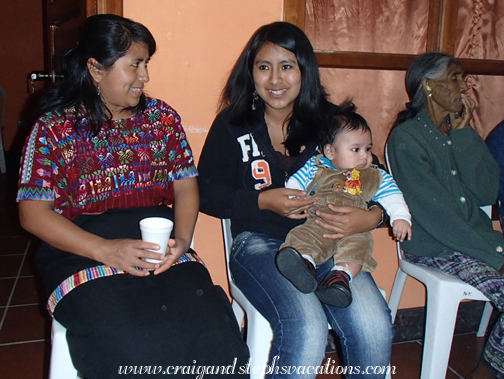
101	157
447	174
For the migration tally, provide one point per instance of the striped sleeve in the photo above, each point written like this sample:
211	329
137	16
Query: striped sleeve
392	200
387	188
302	178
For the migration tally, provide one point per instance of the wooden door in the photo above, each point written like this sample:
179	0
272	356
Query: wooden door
63	20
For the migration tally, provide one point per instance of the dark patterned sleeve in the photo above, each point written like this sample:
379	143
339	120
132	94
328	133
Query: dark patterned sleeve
180	153
39	162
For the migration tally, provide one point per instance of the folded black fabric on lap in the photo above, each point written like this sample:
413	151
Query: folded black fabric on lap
56	265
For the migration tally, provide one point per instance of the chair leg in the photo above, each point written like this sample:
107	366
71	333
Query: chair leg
238	312
383	293
442	310
485	319
396	293
259	336
61	366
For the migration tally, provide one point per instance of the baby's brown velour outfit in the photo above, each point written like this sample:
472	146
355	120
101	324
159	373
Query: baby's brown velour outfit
351	187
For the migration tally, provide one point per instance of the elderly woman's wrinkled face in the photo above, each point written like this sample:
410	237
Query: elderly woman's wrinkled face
447	90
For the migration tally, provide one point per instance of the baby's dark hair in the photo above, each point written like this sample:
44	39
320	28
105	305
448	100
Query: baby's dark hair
344	118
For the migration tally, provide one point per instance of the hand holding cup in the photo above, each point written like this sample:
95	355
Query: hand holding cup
156	230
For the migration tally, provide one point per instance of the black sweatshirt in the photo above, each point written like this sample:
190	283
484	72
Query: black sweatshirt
236	163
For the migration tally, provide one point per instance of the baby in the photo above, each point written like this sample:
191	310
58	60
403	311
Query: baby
342	176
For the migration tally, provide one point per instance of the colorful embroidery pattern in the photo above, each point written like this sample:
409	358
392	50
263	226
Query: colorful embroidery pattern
130	164
96	272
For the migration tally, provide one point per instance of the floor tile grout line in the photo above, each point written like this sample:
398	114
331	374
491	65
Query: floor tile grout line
401	342
449	367
20	277
6	309
20	342
455	372
23	305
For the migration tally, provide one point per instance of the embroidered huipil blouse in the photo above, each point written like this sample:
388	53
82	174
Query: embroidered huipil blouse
131	163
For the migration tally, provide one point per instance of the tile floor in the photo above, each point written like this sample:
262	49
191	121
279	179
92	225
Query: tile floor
24	324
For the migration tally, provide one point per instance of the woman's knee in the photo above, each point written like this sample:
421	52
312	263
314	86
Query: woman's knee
367	321
368	300
300	339
248	245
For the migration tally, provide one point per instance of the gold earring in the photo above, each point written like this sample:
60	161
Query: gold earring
428	89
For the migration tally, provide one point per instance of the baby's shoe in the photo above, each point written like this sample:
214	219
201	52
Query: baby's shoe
335	289
298	270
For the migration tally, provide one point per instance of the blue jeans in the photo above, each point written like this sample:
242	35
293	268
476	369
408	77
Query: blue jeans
299	321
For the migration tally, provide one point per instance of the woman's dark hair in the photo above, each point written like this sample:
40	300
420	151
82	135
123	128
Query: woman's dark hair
430	65
344	118
106	38
236	97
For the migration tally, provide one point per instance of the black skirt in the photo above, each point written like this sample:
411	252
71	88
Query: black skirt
175	323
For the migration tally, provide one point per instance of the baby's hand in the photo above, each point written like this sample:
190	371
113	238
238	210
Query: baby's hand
401	229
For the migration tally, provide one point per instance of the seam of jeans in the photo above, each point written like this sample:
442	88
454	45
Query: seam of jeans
341	335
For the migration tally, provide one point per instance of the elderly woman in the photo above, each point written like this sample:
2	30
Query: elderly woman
446	174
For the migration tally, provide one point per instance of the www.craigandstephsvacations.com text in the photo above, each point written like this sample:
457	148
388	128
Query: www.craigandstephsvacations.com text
198	372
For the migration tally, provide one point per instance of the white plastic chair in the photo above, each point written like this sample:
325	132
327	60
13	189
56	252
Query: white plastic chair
61	366
259	332
444	293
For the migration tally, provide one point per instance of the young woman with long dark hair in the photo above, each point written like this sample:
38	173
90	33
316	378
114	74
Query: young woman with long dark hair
272	108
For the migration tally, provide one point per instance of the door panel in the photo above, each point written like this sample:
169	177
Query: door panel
62	24
63	20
